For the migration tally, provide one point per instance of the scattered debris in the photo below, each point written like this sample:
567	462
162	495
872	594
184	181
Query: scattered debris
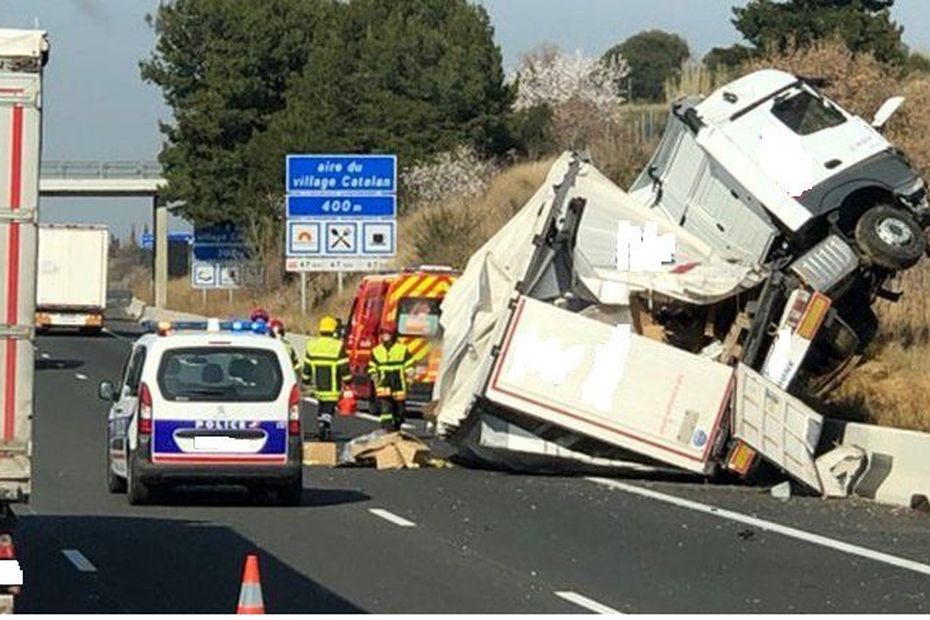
781	491
320	453
386	450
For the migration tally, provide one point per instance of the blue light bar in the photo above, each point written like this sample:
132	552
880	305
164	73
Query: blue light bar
243	326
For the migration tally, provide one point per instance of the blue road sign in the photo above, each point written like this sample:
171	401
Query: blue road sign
218	234
341	173
220	252
340	205
147	240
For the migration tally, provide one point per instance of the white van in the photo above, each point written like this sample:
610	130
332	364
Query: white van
205	403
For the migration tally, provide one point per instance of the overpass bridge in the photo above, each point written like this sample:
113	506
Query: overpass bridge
119	179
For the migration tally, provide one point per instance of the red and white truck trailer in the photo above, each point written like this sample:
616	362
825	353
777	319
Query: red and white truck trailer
23	54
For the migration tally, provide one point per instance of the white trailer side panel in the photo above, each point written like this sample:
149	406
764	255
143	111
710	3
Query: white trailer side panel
604	382
72	268
20	140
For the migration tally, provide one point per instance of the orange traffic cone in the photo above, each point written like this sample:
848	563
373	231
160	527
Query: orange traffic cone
250	595
347	405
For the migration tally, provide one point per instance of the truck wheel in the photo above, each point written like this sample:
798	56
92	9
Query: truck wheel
290	494
890	237
137	491
115	484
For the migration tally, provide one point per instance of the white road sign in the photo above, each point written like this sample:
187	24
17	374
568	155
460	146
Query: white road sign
348	263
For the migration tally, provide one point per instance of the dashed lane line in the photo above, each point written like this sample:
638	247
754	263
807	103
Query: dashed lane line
390	516
79	561
587	603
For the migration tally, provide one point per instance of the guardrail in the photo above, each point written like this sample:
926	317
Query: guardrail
101	170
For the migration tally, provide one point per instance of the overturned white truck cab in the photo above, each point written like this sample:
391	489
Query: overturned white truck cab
595	331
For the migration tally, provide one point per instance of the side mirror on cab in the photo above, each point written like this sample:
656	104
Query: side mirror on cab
886	111
106	391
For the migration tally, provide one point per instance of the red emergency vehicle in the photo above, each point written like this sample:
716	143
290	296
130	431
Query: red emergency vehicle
408	302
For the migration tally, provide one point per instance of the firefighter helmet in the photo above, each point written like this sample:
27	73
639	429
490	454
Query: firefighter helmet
328	325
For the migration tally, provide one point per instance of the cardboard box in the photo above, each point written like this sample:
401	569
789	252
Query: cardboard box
322	453
392	451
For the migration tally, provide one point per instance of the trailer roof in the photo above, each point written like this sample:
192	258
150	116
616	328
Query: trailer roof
18	43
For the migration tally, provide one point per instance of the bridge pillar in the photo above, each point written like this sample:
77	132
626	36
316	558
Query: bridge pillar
161	253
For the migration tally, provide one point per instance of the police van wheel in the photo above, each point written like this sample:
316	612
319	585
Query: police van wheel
138	492
290	494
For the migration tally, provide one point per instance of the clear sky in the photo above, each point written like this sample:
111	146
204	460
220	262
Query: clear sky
98	108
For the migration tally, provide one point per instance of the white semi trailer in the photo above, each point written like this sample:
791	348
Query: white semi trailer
71	289
23	54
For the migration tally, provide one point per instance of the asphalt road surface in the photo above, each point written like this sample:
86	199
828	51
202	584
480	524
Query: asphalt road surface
436	540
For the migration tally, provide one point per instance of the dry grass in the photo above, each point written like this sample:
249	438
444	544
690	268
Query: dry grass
450	231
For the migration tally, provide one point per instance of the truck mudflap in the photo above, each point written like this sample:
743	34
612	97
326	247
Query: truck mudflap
779	426
604	382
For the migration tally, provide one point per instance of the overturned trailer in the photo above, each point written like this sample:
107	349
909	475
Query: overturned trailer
595	331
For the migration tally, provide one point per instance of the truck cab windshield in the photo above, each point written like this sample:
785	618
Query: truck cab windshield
804	113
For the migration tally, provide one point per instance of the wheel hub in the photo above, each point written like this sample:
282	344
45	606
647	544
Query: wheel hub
894	232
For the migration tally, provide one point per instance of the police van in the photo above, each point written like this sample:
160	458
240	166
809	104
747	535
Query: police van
205	403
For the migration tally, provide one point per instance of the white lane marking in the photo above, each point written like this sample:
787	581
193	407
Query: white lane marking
80	376
80	562
390	516
374	418
45	356
770	526
584	601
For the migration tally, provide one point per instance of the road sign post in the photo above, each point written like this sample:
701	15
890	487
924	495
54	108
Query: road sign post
341	213
303	293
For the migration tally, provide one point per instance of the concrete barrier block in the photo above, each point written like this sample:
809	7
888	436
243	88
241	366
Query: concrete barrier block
898	468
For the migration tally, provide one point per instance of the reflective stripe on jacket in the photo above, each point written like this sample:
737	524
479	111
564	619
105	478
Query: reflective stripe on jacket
387	366
326	367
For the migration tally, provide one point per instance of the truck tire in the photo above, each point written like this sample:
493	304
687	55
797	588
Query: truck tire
137	491
291	493
115	484
890	237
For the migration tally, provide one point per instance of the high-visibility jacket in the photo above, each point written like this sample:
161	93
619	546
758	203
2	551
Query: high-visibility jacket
387	369
326	367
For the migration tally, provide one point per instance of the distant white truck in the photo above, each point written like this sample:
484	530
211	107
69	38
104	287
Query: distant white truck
72	276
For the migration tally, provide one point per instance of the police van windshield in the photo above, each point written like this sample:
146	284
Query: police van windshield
804	113
214	374
418	317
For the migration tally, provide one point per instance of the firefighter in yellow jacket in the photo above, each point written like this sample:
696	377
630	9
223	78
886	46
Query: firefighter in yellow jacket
325	370
387	368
